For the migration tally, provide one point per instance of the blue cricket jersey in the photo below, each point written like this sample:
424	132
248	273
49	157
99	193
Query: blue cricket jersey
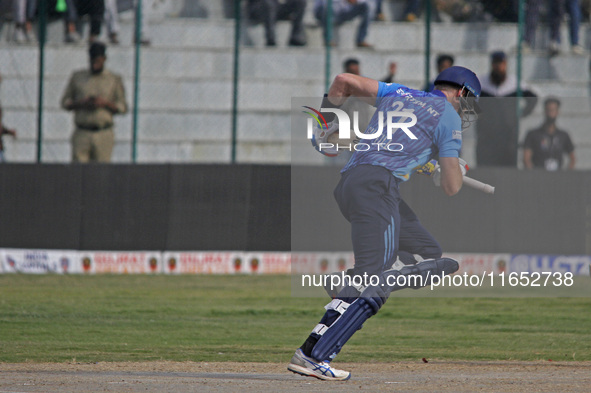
438	131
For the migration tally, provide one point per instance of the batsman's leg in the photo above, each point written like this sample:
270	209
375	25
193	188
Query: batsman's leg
414	238
332	335
368	198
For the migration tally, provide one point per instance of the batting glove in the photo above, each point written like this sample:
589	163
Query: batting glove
463	166
433	169
429	168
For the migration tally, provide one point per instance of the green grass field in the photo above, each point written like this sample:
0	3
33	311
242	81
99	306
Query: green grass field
51	318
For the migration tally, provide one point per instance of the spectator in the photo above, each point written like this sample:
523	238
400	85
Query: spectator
557	8
344	11
23	13
112	21
585	10
71	17
270	11
352	66
532	16
391	73
380	17
556	15
411	10
502	10
444	61
95	9
4	131
546	146
111	18
95	95
459	11
497	124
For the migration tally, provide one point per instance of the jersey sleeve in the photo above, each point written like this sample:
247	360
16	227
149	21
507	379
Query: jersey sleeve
449	134
388	89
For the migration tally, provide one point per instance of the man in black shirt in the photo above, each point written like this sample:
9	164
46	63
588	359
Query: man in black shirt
497	125
546	146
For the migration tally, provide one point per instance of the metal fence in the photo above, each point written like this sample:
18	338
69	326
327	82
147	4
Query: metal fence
212	87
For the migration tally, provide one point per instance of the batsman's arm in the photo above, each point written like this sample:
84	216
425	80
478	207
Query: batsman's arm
349	85
451	175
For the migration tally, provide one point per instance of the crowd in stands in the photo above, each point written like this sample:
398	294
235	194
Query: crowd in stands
365	12
497	136
98	12
556	12
496	129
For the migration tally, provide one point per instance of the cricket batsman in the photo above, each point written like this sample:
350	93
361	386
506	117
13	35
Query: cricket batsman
383	226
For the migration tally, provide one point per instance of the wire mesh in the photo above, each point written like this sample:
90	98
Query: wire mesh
187	81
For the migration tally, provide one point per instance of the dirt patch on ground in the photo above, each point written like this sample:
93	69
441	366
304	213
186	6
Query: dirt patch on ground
271	377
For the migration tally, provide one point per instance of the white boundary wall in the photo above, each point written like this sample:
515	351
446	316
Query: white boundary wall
34	261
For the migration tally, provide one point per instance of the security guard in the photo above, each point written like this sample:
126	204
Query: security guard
95	95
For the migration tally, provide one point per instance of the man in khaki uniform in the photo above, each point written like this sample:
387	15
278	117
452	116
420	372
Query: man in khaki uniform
95	95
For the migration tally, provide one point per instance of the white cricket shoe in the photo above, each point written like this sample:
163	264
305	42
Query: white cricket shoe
308	367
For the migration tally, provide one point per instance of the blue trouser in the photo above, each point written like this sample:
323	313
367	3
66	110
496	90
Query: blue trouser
95	9
412	7
270	11
557	8
531	21
340	16
383	226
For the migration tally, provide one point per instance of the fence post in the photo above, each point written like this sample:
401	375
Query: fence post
136	78
327	44
427	42
42	39
520	27
237	27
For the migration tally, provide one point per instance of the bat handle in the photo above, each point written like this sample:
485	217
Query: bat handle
486	188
